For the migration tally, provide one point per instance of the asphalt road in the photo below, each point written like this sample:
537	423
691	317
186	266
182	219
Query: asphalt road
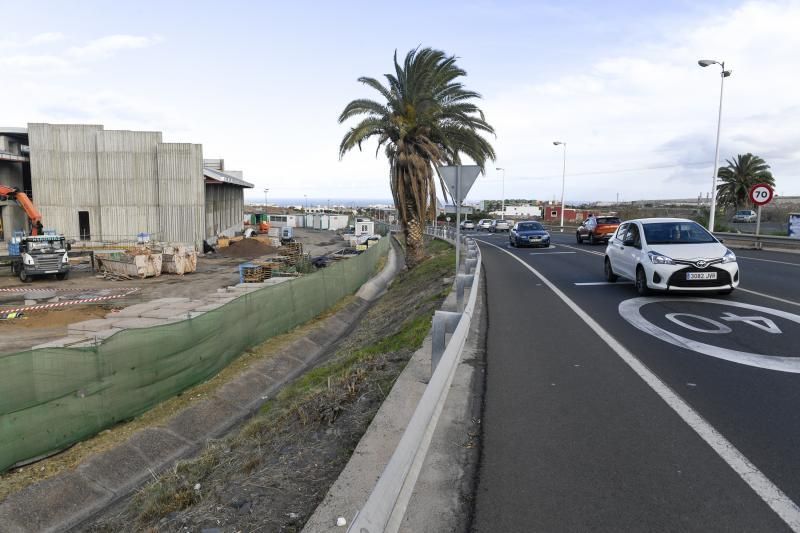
593	424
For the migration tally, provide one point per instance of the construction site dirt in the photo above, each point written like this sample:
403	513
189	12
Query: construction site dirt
40	324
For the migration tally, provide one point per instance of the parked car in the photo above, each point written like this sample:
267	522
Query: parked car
500	225
597	229
529	233
467	224
484	224
747	215
670	254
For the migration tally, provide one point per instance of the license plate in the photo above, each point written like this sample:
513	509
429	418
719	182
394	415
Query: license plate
692	276
51	271
535	239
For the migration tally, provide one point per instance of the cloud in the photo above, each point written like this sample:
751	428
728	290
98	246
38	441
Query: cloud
653	106
105	47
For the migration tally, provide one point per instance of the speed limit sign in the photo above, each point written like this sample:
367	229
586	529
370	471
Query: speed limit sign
761	194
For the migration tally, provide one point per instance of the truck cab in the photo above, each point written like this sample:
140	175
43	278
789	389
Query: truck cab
41	255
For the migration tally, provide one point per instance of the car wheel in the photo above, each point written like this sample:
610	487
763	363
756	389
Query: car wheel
62	276
578	238
610	276
512	243
592	240
641	282
24	277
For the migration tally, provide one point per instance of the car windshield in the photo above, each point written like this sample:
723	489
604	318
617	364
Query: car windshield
676	233
743	213
607	220
529	226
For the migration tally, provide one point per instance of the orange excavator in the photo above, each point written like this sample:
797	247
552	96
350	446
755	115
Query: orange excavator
27	205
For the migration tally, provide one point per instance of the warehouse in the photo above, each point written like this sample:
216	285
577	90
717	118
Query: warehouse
100	185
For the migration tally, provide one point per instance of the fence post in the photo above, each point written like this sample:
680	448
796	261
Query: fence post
462	282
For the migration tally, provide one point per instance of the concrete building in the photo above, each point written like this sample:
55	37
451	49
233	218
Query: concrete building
95	184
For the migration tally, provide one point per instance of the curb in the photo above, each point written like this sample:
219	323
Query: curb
441	500
69	499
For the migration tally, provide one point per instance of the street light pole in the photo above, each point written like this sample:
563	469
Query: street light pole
563	179
503	193
723	74
265	199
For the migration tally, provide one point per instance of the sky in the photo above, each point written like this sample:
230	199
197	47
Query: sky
261	84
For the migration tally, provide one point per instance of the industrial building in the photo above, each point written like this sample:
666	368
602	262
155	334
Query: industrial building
94	184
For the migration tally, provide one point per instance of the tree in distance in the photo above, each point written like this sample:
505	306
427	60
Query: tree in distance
738	177
425	118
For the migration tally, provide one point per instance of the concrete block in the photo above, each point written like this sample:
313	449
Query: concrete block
117	469
134	311
209	306
47	505
135	323
96	324
165	301
158	444
62	342
245	390
167	312
204	420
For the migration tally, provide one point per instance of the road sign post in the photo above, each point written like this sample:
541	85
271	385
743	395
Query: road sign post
760	194
459	180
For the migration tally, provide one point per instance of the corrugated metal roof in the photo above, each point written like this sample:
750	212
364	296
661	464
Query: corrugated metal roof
223	177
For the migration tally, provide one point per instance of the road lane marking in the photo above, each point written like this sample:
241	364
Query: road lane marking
630	310
773	496
591	283
768	260
549	253
582	250
768	296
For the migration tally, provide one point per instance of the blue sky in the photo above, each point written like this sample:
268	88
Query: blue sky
262	83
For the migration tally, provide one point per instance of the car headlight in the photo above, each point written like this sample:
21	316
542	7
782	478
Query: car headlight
27	259
659	259
729	257
65	259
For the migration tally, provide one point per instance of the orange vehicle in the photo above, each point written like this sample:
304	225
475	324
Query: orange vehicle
597	229
25	203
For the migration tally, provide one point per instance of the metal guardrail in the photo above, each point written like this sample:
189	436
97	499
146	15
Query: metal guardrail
387	503
759	241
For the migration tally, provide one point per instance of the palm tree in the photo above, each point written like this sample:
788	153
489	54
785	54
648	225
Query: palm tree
425	118
737	178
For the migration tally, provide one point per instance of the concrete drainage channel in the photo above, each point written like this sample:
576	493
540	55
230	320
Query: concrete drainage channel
67	500
391	483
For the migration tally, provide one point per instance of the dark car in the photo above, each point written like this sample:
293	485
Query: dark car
529	234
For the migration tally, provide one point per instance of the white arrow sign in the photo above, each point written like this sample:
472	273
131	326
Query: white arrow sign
451	177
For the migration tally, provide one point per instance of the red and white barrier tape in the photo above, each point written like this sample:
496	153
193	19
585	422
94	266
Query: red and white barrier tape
71	289
56	305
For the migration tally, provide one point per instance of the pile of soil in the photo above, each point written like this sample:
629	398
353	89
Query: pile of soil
246	248
56	317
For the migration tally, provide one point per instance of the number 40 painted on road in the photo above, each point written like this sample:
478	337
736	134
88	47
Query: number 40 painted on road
760	322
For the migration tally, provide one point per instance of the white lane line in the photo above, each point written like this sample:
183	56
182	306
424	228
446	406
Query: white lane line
588	283
768	296
761	485
583	250
768	260
549	253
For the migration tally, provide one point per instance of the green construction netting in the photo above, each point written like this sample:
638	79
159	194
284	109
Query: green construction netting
51	398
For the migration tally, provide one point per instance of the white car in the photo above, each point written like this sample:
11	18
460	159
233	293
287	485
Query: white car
484	224
467	224
747	215
670	254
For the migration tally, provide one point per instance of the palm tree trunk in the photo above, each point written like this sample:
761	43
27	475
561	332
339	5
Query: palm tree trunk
415	242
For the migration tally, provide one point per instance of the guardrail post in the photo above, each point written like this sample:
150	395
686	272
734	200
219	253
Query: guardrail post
444	322
469	264
462	281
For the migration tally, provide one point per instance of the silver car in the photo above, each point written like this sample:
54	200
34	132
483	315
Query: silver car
500	225
484	224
